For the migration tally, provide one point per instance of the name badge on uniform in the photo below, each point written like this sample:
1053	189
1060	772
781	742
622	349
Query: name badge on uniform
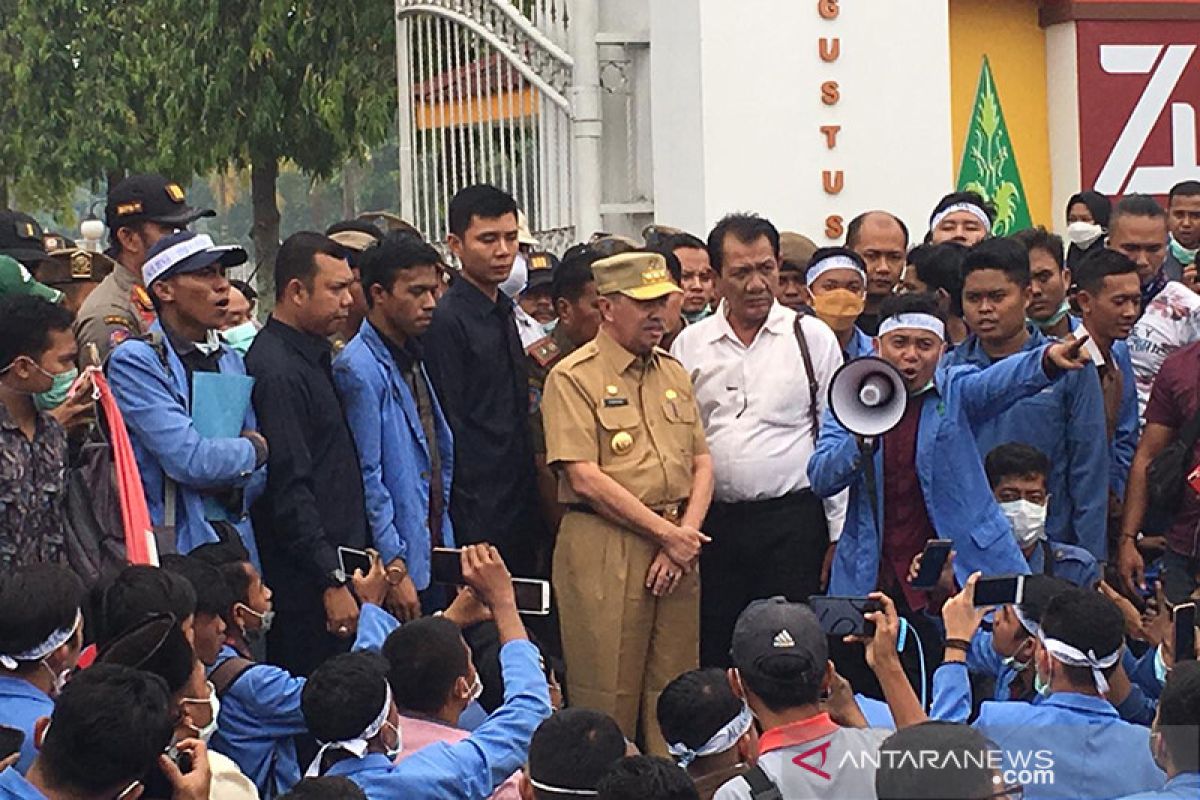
621	443
615	402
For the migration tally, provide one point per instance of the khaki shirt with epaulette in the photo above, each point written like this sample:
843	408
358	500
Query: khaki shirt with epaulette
118	309
634	417
540	358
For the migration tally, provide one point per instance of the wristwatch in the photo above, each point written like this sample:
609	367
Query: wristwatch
335	579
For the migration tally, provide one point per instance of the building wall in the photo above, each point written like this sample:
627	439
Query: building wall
737	111
1007	32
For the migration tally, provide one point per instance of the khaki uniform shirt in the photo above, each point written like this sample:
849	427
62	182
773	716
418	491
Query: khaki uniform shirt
117	310
634	417
540	358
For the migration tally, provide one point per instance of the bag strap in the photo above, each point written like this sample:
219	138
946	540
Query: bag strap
158	343
813	389
227	673
761	785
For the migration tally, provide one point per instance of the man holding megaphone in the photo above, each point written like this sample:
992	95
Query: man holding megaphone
898	434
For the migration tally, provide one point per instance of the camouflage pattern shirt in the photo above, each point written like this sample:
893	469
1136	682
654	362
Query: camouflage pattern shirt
33	489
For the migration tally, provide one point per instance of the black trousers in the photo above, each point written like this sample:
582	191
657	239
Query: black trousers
759	549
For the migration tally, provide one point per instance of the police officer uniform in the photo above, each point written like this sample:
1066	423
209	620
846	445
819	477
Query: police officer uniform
120	308
636	418
72	270
540	357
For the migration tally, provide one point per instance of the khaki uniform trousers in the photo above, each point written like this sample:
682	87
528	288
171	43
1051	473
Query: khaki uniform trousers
622	644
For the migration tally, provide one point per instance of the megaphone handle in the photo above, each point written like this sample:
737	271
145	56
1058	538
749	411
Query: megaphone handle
866	447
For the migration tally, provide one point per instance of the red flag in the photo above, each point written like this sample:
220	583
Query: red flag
140	546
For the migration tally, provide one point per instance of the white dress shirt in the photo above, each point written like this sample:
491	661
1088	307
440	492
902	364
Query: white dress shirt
754	401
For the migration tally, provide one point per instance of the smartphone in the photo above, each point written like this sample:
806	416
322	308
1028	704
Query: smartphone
533	596
11	740
843	616
1185	632
1000	591
933	560
446	566
350	559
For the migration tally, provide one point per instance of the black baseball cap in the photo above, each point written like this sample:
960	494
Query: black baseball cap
21	238
149	198
778	641
541	270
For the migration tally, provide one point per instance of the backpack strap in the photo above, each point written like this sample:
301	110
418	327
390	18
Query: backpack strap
228	672
761	785
813	389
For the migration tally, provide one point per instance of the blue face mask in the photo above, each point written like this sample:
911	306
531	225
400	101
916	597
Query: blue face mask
59	390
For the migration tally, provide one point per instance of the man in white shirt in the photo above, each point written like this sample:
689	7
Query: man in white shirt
761	397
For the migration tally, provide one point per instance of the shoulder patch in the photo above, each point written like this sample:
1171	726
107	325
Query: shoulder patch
116	336
117	319
544	351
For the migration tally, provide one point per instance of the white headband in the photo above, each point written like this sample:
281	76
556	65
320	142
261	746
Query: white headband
357	745
972	209
545	787
40	651
920	321
721	741
173	255
1073	657
1027	623
832	262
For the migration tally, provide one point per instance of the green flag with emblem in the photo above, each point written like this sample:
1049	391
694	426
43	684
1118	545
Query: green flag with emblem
989	166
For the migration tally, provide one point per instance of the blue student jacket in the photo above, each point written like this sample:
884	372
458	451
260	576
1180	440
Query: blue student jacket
393	452
156	406
21	705
860	345
260	713
957	497
13	786
1125	439
474	767
1065	421
1185	786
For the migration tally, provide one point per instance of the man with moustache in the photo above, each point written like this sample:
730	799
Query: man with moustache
201	487
314	500
624	434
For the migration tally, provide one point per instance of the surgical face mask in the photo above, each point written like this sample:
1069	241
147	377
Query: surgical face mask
838	308
58	679
1028	520
240	337
395	750
1183	255
1042	687
514	284
210	345
60	386
214	705
265	619
1083	234
476	690
1012	663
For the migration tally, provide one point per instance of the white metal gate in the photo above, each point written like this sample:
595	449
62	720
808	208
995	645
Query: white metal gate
483	99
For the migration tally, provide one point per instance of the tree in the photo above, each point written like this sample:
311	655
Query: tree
261	81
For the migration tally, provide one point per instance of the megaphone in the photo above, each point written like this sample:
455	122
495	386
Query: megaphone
868	396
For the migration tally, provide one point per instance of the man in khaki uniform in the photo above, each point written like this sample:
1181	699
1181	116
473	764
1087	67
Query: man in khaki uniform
624	434
141	210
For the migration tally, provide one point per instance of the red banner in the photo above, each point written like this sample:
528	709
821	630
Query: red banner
1139	89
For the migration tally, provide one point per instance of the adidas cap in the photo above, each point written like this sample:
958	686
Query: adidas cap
776	640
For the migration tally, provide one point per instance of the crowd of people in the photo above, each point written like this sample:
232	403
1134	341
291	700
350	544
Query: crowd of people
646	425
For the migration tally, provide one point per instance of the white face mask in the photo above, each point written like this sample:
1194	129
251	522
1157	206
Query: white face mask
514	284
1083	234
1028	520
59	679
476	690
214	705
394	751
